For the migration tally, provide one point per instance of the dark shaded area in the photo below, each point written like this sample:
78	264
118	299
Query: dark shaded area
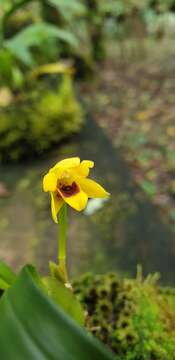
135	230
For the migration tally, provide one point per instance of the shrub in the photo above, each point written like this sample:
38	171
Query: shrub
38	119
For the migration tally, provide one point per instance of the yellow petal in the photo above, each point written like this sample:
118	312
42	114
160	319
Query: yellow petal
92	189
67	163
77	201
49	182
56	204
83	169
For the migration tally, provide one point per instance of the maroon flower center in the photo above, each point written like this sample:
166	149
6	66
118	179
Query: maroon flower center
69	190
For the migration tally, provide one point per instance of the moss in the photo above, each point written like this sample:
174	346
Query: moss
38	119
134	317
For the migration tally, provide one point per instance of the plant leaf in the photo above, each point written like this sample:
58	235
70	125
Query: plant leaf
69	8
65	298
33	327
7	276
36	35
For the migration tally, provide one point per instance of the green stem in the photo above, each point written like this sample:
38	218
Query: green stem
62	242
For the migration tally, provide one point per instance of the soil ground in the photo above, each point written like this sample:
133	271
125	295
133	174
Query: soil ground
133	99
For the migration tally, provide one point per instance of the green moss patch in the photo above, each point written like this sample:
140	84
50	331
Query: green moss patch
38	119
134	317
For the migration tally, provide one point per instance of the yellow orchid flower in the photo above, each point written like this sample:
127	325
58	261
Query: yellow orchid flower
67	182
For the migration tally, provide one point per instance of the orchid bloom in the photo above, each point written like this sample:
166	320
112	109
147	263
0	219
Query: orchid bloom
67	182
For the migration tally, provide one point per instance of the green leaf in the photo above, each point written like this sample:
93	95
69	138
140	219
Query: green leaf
6	61
33	327
36	278
7	276
65	298
69	8
36	35
148	187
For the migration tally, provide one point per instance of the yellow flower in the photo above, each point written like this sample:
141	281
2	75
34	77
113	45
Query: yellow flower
67	182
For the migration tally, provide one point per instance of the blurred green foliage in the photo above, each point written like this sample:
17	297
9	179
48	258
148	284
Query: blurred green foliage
34	33
134	317
38	119
37	32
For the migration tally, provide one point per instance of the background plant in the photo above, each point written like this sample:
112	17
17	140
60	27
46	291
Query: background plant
33	123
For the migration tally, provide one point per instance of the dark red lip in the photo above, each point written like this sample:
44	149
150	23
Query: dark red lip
69	190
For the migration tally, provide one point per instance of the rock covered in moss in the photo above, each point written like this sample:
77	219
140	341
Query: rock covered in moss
38	119
135	318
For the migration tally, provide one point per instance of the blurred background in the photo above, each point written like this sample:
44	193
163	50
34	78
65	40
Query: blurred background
95	79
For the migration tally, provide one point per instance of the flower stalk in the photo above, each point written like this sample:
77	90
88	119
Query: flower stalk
62	243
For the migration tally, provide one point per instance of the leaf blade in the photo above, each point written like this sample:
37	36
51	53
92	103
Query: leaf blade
36	328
